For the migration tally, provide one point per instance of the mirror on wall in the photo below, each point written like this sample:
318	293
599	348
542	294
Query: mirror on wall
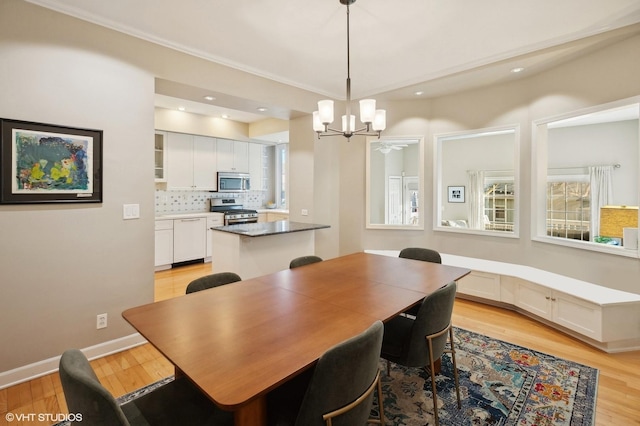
476	181
586	175
394	183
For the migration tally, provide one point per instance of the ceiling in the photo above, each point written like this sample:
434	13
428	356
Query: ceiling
397	47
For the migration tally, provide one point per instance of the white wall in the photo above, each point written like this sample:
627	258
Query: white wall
600	144
61	265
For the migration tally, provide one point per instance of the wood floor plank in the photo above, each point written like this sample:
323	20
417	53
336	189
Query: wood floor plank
3	401
618	394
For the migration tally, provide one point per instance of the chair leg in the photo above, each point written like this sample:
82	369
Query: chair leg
433	383
455	367
380	403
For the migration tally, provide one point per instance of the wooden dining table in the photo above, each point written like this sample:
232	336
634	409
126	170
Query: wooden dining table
239	341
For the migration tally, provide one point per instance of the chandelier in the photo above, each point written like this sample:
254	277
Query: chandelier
374	120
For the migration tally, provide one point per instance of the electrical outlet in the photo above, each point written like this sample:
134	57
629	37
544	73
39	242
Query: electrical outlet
101	321
304	212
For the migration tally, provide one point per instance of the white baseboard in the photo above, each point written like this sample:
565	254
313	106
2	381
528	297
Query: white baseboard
47	366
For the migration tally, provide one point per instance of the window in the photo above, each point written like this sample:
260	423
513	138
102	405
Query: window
499	205
282	171
485	162
568	210
585	174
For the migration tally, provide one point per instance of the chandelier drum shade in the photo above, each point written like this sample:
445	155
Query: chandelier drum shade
374	120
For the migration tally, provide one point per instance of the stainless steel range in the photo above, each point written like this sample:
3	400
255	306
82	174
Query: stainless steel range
234	213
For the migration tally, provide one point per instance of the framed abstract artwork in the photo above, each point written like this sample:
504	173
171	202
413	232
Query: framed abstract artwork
47	163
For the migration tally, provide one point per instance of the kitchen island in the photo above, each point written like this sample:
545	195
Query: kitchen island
255	249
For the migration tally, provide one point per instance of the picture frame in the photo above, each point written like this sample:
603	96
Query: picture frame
48	163
456	194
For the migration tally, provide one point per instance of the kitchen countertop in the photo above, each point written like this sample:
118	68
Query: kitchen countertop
184	215
269	228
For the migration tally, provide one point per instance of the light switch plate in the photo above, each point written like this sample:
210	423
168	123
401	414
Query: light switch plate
131	211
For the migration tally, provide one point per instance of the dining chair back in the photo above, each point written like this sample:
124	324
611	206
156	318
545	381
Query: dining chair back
421	341
212	280
423	254
177	402
419	253
341	388
84	393
339	391
304	260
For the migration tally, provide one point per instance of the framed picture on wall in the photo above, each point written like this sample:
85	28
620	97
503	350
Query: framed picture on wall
456	194
47	163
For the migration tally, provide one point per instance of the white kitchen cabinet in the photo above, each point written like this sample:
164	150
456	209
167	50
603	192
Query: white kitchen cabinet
256	166
241	156
191	162
163	244
179	161
160	156
204	163
189	239
213	220
232	156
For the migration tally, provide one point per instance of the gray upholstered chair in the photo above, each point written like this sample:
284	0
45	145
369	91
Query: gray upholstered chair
338	391
212	280
421	341
419	253
423	254
304	260
177	402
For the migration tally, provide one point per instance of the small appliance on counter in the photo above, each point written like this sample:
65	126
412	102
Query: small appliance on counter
234	213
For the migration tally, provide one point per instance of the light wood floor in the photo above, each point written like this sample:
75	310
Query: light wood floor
618	400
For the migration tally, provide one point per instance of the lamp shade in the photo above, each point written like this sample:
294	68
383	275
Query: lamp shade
380	120
317	124
351	125
367	110
325	111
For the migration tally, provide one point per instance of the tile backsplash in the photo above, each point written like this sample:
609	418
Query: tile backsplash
169	202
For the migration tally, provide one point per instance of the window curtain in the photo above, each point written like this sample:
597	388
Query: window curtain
600	181
476	199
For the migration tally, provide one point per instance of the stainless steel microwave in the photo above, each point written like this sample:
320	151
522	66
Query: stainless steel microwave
233	182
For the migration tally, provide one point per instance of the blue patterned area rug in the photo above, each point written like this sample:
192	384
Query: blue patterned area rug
500	384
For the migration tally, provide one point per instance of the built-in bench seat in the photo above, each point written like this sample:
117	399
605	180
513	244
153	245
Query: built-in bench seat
606	318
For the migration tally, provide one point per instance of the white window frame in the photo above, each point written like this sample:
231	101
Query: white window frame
539	177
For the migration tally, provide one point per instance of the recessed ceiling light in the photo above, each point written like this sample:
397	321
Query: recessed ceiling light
225	116
181	108
419	93
262	109
517	70
210	98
